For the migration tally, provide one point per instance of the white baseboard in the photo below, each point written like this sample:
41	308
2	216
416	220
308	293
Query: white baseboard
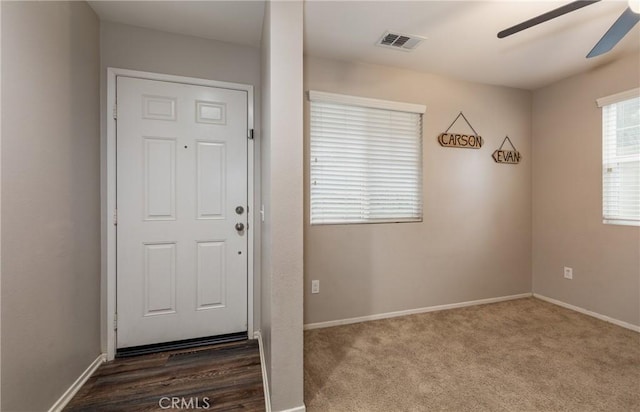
605	318
387	315
75	386
296	409
265	378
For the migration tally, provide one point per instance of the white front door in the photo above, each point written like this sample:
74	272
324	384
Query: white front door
181	202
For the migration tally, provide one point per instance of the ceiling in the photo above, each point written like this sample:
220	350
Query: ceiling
461	35
238	22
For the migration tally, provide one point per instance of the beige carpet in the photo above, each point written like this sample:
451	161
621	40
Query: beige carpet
521	355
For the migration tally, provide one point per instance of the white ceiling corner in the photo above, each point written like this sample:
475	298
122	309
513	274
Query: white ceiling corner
461	35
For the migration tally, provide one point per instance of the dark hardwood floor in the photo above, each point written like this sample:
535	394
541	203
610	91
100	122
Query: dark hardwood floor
225	377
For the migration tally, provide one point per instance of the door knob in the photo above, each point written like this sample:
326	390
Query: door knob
239	227
239	210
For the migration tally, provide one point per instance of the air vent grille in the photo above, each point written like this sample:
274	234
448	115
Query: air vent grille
398	41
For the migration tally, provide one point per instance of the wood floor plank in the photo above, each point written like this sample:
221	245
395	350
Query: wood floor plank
225	377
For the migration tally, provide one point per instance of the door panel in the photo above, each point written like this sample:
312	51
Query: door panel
159	178
159	278
211	171
182	171
210	272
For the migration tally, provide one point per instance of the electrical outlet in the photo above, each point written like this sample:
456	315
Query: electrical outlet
568	273
315	286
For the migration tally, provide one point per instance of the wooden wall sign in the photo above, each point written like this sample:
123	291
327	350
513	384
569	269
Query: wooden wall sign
507	156
469	141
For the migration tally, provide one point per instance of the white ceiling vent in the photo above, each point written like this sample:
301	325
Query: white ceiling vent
399	41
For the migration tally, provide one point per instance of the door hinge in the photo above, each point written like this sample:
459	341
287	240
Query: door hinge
115	217
115	321
250	134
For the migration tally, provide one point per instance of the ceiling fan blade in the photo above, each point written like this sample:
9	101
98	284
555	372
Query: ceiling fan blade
567	8
620	28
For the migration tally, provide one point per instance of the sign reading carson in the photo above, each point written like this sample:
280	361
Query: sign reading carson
460	140
470	141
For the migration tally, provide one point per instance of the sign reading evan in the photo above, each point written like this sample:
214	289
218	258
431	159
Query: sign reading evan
470	141
507	156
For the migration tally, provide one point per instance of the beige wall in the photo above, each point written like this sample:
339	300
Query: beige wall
475	240
137	48
129	47
265	185
0	210
282	196
50	200
567	198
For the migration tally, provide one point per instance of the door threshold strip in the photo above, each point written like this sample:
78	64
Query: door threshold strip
181	344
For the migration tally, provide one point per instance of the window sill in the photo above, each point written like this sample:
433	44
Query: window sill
369	222
621	222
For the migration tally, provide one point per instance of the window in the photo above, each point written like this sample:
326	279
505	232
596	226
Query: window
366	160
621	158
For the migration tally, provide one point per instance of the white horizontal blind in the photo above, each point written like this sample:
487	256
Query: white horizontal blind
621	162
366	164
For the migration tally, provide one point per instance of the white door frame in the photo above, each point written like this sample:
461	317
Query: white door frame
110	206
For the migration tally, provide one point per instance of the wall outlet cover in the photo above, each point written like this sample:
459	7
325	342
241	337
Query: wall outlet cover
568	272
